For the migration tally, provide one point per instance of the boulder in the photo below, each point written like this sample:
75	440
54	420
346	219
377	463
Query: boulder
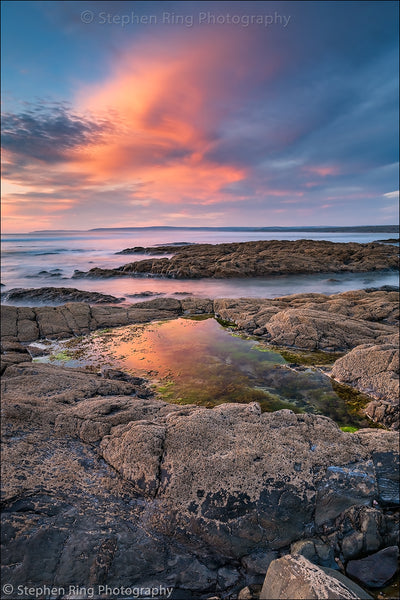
294	577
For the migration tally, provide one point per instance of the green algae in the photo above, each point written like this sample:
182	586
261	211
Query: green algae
349	429
202	317
312	358
62	356
225	322
355	401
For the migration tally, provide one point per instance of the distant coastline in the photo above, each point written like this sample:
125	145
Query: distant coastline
322	228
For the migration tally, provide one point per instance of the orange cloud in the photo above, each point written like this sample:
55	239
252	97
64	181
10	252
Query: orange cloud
166	104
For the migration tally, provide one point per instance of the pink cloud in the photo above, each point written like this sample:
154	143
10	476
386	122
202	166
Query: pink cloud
322	170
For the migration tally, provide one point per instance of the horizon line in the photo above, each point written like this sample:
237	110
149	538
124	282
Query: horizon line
394	226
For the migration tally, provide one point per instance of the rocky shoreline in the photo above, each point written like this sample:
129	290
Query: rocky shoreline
103	483
254	259
364	324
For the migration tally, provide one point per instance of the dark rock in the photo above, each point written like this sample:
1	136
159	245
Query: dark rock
258	562
13	353
134	250
360	530
144	294
60	295
161	249
35	351
342	487
377	569
108	373
387	477
13	347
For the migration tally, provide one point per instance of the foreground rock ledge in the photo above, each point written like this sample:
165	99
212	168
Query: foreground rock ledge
101	486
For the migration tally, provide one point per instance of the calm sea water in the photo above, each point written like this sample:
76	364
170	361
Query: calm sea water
50	258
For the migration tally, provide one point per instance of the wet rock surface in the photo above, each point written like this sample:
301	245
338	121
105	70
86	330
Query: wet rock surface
252	259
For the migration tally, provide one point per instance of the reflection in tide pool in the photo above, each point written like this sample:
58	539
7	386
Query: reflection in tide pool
197	361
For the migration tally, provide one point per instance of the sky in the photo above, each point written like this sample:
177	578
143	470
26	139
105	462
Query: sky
120	114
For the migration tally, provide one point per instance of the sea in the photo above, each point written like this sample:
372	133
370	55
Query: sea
49	259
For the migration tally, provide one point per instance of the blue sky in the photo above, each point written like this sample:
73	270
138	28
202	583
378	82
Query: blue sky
211	113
